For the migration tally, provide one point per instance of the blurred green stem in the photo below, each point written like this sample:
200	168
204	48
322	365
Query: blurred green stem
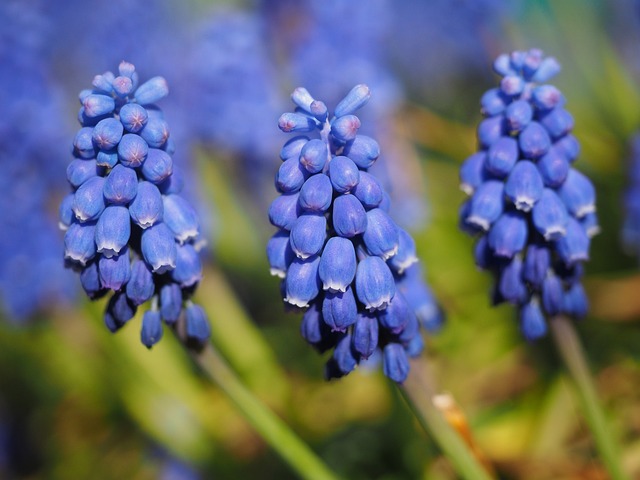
272	429
573	355
417	390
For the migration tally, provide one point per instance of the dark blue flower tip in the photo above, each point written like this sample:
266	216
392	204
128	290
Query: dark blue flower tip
170	302
512	85
152	91
332	371
88	202
155	132
102	84
122	86
490	130
349	216
357	97
308	235
518	115
368	191
553	167
574	245
113	230
395	362
302	98
115	271
147	207
132	150
396	315
157	167
486	205
296	122
344	174
97	105
364	338
536	264
363	151
590	224
568	146
65	212
118	312
159	248
346	359
315	331
79	243
180	217
493	102
121	185
151	331
188	271
197	327
524	185
406	254
284	211
483	254
381	235
344	129
473	173
313	155
508	235
90	281
558	122
534	141
546	97
279	253
339	310
578	194
375	286
511	285
133	117
337	267
302	283
575	302
140	287
83	143
502	156
107	133
316	194
79	171
293	147
291	176
532	323
552	294
107	159
549	67
550	216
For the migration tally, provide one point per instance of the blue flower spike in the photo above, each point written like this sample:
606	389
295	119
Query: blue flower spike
128	230
339	253
533	212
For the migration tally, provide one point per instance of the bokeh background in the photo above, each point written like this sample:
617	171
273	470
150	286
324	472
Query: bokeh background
78	402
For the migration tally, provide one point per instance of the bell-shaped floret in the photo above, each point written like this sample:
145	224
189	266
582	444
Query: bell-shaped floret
97	105
490	130
158	248
493	102
511	283
363	151
180	217
375	286
337	267
344	129
188	269
502	156
536	264
558	122
118	312
132	150
550	216
157	167
381	235
553	167
344	174
313	155
472	172
107	134
316	194
508	235
115	271
344	356
578	194
365	334
121	185
357	97
155	132
368	191
83	144
302	284
395	363
574	245
532	322
315	331
133	117
308	235
151	91
293	147
575	301
552	294
284	211
151	331
518	114
339	309
79	171
349	216
396	315
279	253
113	230
486	205
88	201
140	286
524	185
406	254
147	208
197	326
290	177
296	122
90	281
534	141
170	302
80	243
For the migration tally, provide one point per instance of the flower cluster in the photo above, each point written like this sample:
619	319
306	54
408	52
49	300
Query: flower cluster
340	255
533	212
128	229
631	226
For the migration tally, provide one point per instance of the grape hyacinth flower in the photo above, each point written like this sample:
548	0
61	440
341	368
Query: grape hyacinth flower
532	212
340	255
128	229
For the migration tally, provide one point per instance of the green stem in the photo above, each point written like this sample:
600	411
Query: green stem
418	392
272	429
572	353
